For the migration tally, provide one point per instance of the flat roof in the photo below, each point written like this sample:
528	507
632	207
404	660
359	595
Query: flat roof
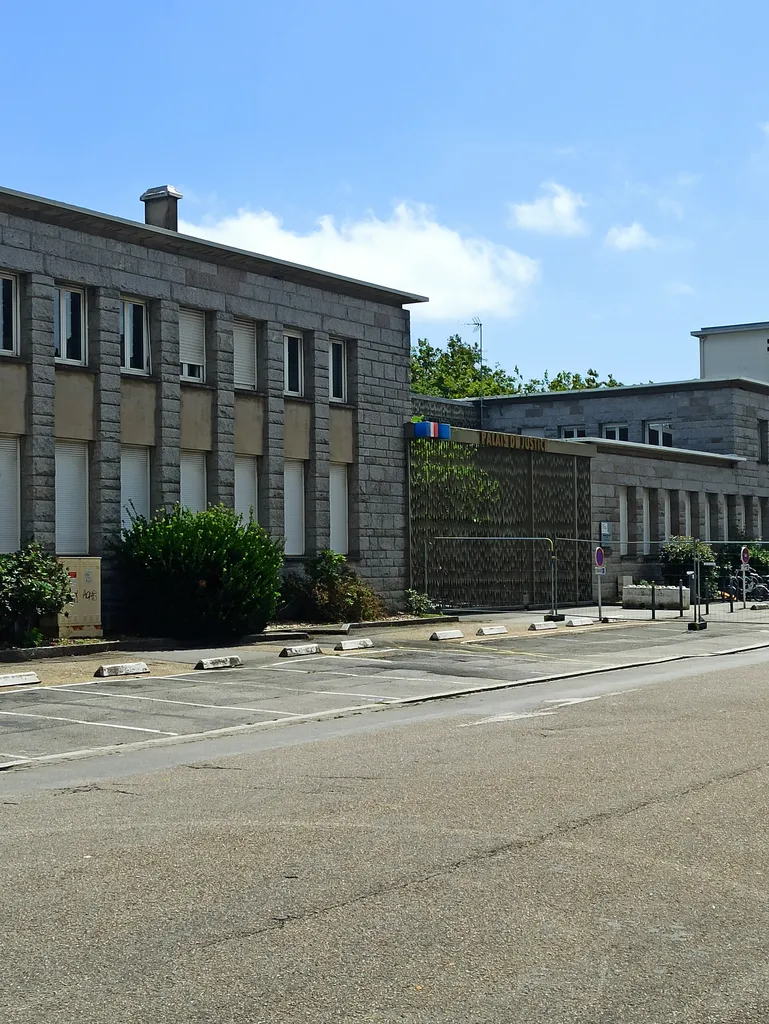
729	329
695	384
93	223
651	451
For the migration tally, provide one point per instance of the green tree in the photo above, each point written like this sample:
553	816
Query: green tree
455	372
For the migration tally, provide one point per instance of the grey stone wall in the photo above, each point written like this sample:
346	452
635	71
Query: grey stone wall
43	254
457	412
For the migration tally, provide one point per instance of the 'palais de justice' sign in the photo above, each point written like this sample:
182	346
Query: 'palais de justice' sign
521	441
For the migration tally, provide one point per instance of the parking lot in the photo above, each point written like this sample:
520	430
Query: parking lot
86	716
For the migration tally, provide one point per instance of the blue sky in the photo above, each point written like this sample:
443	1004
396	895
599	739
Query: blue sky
591	180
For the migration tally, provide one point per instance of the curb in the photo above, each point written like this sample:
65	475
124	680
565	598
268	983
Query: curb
428	620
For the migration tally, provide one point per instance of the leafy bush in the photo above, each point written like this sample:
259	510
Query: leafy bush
330	591
199	575
677	558
759	558
419	604
33	585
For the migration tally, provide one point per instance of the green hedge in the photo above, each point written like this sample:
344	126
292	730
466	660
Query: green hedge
33	585
199	575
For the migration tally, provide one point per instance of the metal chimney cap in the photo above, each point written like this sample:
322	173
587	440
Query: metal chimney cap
160	192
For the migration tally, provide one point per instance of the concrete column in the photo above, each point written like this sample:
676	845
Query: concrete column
318	521
104	477
220	373
764	508
38	452
164	339
270	377
752	518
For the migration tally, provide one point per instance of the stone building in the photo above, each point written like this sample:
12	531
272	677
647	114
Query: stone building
140	367
688	457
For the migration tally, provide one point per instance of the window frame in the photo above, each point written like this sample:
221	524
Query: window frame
15	310
661	429
253	466
303	494
83	446
60	298
16	502
299	337
127	300
344	467
202	460
616	427
576	436
146	451
343	345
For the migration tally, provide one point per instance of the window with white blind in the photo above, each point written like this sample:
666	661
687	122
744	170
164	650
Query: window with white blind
293	364
69	326
244	334
71	498
193	481
9	316
9	494
246	492
338	507
293	506
134	484
134	337
192	345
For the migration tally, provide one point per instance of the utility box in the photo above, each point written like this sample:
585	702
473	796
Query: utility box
83	618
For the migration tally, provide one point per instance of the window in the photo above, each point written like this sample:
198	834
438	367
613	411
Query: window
134	337
244	334
8	315
293	506
71	498
193	481
293	364
572	432
338	507
69	327
659	434
246	493
9	494
134	484
623	532
615	432
646	523
192	345
763	440
338	371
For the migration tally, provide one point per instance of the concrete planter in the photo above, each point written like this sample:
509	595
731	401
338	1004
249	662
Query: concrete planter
664	597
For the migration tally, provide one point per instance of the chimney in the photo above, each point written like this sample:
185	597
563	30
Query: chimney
160	207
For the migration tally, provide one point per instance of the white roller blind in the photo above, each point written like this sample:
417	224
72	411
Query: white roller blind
193	480
192	341
246	496
134	484
338	507
244	332
71	498
293	506
9	494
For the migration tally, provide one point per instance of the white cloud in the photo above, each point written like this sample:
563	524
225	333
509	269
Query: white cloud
634	236
463	275
681	288
763	126
556	213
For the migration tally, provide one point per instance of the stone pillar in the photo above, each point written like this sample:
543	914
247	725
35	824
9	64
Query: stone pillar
700	516
164	338
353	470
735	515
318	519
38	452
104	477
752	518
270	377
677	513
764	505
220	372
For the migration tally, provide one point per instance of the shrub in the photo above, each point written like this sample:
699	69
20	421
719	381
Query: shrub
677	558
419	604
33	585
202	575
330	591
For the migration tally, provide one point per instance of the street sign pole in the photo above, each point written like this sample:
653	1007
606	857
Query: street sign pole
744	560
599	572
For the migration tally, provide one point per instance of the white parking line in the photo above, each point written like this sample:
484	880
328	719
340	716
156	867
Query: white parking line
78	721
183	703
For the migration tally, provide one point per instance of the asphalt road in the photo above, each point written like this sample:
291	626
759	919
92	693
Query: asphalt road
584	851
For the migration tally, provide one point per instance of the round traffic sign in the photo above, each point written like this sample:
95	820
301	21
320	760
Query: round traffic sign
599	557
744	555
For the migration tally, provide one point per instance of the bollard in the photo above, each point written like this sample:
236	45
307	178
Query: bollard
680	599
654	601
731	601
